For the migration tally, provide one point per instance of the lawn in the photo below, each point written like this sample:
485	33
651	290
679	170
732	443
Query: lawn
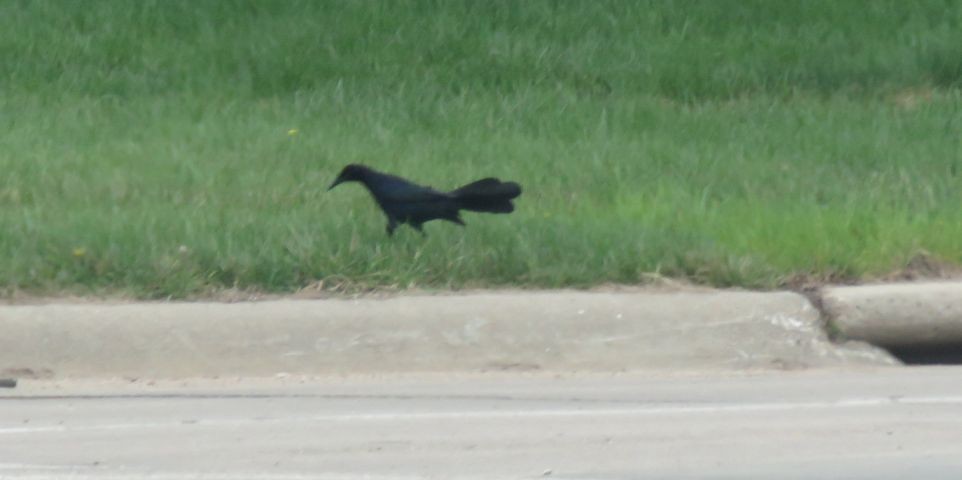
177	148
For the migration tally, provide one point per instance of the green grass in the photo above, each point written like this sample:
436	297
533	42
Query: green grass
145	146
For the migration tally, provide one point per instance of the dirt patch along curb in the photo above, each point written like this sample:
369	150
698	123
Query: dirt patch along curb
564	331
898	316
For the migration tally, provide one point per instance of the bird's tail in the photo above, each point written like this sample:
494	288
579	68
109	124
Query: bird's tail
487	195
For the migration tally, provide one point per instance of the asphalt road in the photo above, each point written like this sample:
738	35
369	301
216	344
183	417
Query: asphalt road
870	423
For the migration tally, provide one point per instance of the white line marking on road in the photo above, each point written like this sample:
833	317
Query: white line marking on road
32	466
96	474
640	410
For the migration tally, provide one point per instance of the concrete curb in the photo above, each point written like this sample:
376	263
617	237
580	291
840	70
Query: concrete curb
898	316
562	331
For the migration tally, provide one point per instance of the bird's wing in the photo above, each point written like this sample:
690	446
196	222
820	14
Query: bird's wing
398	190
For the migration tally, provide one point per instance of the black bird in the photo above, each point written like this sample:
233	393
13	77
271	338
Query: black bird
413	204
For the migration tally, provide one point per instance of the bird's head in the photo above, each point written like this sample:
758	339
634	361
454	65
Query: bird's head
350	173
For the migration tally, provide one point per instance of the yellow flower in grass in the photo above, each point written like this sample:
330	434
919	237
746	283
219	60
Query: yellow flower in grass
79	252
292	132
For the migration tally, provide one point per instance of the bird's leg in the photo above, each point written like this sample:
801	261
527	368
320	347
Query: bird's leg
391	225
454	217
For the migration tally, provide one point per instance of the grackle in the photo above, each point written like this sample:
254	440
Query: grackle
413	204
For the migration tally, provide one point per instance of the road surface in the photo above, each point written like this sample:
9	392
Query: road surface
871	423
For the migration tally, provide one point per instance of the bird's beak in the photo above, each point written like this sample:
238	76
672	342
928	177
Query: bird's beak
336	183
